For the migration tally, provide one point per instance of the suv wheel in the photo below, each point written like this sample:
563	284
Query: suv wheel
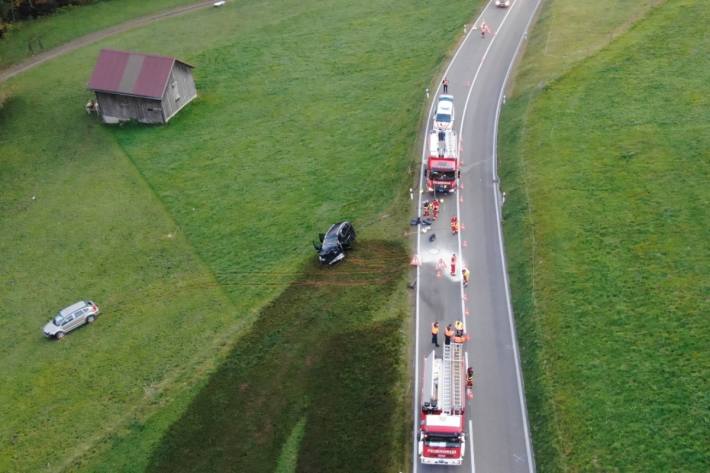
59	335
90	319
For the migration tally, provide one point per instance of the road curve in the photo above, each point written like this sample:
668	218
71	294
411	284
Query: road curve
498	437
90	38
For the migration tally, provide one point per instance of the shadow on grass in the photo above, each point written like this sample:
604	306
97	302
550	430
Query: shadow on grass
315	353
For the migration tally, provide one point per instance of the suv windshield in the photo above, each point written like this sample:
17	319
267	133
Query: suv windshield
57	320
331	239
443	117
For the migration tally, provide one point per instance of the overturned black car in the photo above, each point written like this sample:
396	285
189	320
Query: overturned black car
332	246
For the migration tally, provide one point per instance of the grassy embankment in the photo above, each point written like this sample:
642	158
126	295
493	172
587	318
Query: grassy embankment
34	36
184	233
605	164
325	368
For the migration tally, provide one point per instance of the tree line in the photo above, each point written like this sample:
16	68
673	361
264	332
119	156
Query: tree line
12	11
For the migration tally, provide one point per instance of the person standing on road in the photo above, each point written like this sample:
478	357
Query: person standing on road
435	333
448	333
484	29
466	276
445	83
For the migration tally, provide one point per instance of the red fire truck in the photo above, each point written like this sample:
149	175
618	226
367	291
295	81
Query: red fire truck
442	169
442	440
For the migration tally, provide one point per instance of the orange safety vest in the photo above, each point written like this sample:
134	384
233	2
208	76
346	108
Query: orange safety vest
449	333
434	330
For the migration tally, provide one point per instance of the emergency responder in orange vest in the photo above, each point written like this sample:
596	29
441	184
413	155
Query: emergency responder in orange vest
435	333
454	225
459	336
453	264
466	276
448	333
435	209
458	325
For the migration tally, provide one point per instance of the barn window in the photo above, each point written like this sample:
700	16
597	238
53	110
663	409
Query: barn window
175	90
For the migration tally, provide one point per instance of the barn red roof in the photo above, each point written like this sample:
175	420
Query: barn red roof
126	73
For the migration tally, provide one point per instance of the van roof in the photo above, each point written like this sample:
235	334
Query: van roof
73	308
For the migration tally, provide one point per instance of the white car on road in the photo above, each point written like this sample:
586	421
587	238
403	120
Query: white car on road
444	117
502	3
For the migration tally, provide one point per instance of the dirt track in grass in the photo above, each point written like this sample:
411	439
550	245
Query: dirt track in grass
90	38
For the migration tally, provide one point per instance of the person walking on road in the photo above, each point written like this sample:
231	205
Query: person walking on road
448	333
445	83
435	334
466	276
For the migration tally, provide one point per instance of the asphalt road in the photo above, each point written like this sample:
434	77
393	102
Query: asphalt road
497	427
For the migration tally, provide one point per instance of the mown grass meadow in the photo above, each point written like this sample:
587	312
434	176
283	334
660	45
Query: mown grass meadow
26	38
606	172
320	358
307	113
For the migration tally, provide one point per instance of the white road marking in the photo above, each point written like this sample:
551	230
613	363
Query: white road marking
516	357
473	451
511	323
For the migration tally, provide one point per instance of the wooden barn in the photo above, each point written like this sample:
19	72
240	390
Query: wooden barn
142	87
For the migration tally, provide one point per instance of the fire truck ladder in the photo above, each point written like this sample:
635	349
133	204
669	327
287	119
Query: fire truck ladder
445	389
457	378
451	144
451	388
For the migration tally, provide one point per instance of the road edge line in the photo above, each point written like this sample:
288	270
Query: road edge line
501	247
461	127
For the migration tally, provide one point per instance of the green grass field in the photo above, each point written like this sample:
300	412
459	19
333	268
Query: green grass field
605	164
34	36
333	353
307	113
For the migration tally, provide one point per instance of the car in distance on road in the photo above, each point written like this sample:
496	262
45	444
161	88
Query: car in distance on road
69	318
444	118
502	3
332	246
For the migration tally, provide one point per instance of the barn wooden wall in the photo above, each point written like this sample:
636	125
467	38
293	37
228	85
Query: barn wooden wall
124	107
184	88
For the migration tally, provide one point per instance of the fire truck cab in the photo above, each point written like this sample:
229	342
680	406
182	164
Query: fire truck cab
442	171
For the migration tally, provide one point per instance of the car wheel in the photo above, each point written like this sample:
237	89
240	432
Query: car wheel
90	319
59	335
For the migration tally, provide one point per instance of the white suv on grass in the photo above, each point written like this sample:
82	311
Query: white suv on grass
76	315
